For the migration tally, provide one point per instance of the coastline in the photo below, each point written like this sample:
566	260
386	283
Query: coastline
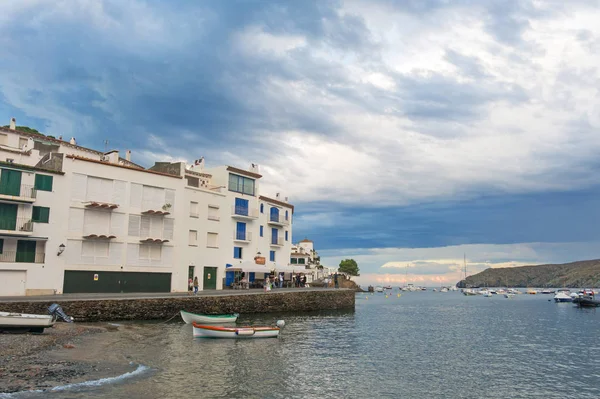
64	354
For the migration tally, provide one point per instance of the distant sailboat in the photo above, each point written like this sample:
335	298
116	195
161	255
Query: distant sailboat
467	291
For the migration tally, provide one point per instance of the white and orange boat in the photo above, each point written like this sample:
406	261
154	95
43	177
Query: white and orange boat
205	331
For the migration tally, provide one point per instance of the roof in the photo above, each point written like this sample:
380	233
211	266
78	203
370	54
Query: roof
306	240
31	168
274	201
57	141
244	172
122	166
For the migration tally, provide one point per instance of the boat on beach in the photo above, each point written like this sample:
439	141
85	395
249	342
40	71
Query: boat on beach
190	318
205	331
23	322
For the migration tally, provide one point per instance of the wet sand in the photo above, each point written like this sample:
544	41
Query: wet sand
64	354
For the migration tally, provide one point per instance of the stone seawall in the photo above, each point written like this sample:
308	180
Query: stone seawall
90	310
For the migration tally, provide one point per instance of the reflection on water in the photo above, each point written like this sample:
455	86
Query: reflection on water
422	344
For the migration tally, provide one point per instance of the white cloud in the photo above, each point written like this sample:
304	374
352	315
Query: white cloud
253	40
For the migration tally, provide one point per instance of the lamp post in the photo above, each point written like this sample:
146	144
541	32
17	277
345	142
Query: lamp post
61	249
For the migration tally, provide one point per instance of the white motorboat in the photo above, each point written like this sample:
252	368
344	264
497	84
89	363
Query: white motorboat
509	295
190	318
379	289
201	331
23	322
562	297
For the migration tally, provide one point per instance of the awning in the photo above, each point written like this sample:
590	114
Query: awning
249	267
27	238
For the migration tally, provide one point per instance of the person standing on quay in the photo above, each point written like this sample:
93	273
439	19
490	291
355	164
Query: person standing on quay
190	286
335	280
195	285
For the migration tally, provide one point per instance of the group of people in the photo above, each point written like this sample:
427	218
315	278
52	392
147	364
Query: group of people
193	285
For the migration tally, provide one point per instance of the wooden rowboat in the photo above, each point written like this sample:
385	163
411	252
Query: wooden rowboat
208	319
23	322
203	331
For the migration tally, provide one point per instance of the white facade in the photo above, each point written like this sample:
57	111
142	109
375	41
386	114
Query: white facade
101	223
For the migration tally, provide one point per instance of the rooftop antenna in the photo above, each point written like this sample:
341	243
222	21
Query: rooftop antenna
105	145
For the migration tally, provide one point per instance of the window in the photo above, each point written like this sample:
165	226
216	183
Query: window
94	249
294	261
272	256
286	215
194	209
150	227
1	245
3	139
22	142
193	238
261	231
150	252
274	215
43	182
240	231
192	181
301	261
40	214
237	252
274	236
212	240
241	206
241	184
213	212
262	208
286	235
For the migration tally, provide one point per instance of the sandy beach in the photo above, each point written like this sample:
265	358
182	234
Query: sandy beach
64	354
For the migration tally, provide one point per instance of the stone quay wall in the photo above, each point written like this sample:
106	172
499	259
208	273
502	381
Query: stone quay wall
92	310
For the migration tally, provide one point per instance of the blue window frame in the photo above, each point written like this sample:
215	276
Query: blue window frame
286	235
241	206
262	208
274	214
261	231
237	252
286	215
272	256
274	233
241	184
240	231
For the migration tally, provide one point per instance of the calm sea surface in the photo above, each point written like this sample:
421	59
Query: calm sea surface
421	345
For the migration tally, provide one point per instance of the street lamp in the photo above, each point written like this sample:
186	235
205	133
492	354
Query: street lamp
61	249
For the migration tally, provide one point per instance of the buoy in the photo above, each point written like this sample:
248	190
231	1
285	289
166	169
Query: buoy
386	296
280	323
367	298
398	295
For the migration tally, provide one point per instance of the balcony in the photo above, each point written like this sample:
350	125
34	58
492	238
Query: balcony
100	205
23	193
278	220
240	212
242	236
21	257
277	241
20	225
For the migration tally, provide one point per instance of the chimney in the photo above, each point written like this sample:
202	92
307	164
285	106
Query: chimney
286	199
72	141
128	155
60	138
13	124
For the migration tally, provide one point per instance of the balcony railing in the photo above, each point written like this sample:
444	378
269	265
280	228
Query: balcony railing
24	191
279	220
277	241
17	224
21	257
242	236
242	211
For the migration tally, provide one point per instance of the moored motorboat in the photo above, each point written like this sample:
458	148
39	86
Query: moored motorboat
509	295
208	319
23	322
562	297
586	302
205	331
379	289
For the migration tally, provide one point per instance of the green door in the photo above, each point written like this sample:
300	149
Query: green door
80	281
210	278
25	251
10	182
8	216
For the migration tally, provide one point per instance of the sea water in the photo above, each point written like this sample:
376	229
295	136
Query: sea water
419	345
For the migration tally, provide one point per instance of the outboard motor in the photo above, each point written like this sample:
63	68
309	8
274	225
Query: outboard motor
56	310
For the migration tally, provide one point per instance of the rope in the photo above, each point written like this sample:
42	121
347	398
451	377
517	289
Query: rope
174	316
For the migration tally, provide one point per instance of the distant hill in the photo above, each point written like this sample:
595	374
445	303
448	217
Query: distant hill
585	273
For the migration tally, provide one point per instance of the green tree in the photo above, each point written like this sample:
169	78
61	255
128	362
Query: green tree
349	266
25	129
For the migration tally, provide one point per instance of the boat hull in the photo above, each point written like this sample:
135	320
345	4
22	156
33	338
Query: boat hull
205	331
190	318
586	302
561	300
23	322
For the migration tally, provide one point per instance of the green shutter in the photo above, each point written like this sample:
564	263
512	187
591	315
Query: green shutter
40	214
43	182
1	245
10	182
8	216
25	251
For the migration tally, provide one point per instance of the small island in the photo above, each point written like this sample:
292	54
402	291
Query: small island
580	274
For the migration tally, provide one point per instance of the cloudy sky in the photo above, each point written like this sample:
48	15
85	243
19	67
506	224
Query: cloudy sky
406	132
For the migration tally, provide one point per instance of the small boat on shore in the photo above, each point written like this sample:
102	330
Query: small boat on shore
190	318
204	331
23	322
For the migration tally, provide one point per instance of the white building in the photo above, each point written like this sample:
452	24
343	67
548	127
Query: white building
78	220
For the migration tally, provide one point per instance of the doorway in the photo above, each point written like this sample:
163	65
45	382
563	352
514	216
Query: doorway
210	278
